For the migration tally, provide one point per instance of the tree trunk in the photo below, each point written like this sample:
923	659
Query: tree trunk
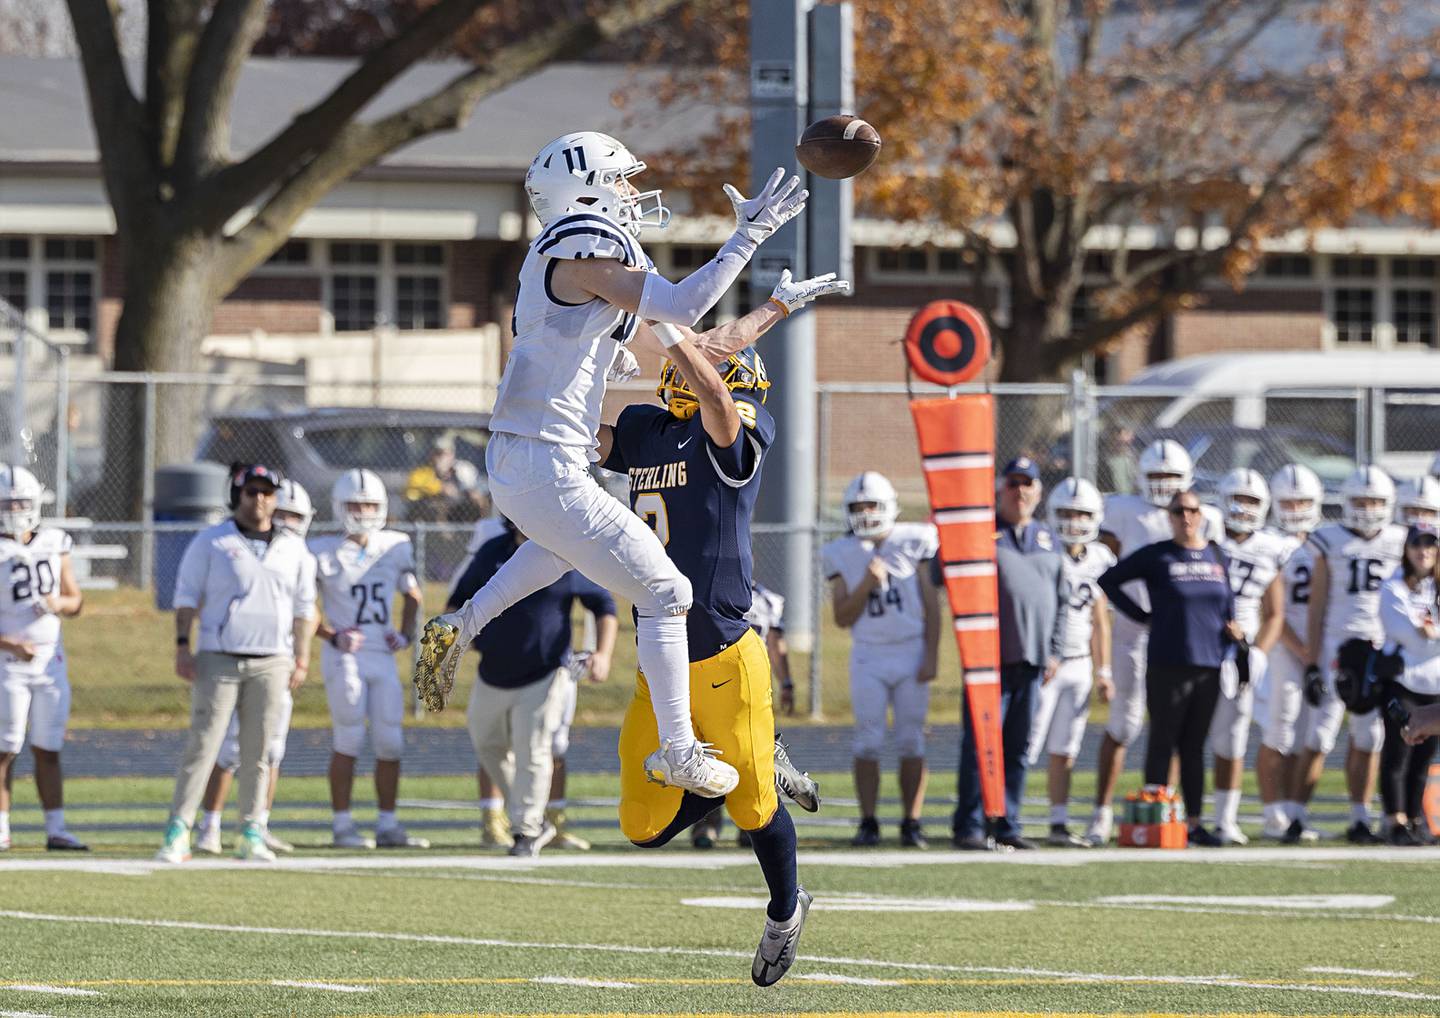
1033	324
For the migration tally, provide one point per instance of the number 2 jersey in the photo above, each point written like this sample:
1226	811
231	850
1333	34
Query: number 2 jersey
1358	566
358	583
32	573
1254	564
1077	606
895	611
698	498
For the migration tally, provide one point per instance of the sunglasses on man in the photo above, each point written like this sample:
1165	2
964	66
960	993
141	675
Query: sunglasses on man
1019	481
256	490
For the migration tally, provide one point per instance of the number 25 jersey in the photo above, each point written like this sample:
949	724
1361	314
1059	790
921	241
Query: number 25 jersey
1358	566
358	584
894	612
31	574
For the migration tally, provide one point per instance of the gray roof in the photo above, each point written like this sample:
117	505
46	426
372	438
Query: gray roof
48	119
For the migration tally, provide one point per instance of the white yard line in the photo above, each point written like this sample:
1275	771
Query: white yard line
301	984
24	1014
1394	917
60	991
829	977
1327	970
599	984
1222	981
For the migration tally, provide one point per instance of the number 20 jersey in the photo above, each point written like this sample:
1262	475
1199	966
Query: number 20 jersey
894	612
1357	567
32	573
358	584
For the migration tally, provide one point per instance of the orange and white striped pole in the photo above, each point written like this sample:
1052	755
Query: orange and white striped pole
947	343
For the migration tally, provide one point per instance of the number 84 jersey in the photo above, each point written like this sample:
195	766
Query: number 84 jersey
1357	567
358	583
894	612
32	573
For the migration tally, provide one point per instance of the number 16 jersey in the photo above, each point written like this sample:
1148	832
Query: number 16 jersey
1357	567
358	583
894	612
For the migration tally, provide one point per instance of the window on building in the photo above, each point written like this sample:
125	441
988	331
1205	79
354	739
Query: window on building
1413	268
14	249
420	254
374	283
1354	315
69	249
70	300
418	304
1354	268
354	253
949	262
908	261
1414	313
13	288
354	302
1287	266
292	252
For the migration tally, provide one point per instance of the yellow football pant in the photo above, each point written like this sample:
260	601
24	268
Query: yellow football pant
730	707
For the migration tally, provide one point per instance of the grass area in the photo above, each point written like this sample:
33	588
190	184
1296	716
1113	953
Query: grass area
459	931
122	653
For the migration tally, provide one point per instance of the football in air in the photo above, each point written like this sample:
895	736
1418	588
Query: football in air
838	147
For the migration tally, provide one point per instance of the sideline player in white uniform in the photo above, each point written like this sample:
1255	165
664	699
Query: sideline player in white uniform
38	589
1417	502
1075	513
1351	561
293	514
881	590
1256	557
1297	496
1132	522
359	575
586	291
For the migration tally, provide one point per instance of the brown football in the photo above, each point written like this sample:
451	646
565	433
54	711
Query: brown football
838	147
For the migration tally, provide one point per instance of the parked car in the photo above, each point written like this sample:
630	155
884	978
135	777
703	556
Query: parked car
316	445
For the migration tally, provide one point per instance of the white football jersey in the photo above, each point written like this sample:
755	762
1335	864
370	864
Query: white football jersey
894	613
767	610
1079	591
1254	564
1296	575
1358	567
1137	523
554	380
358	584
32	573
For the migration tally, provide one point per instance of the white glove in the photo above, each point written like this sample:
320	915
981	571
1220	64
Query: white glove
1259	665
757	218
396	640
624	367
792	295
348	641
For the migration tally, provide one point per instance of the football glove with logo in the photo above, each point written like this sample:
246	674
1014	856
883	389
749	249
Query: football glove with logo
790	294
776	204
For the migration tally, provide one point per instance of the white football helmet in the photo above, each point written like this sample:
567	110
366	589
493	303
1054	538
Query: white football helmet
1296	483
1418	501
876	520
365	488
20	497
1079	496
1165	471
1364	484
1242	517
586	171
290	497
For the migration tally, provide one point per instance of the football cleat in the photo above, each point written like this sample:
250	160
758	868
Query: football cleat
528	846
251	846
1201	837
1359	833
277	845
1274	829
396	837
176	846
867	835
1232	835
794	783
1300	833
1097	835
1402	837
1061	836
440	652
698	771
779	943
4	842
350	837
65	842
911	835
495	829
209	841
563	837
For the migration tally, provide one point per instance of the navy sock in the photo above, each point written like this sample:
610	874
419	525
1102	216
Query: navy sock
693	808
774	846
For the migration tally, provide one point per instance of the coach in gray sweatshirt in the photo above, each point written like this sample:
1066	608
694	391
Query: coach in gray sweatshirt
1028	563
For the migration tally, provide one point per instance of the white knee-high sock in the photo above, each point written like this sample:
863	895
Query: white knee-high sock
531	568
1227	807
664	657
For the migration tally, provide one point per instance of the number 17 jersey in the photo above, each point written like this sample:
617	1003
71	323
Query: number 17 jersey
358	583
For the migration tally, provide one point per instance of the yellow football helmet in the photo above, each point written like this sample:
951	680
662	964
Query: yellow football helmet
742	372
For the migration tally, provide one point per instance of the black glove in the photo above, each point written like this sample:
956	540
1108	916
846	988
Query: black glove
1242	664
1397	712
1314	686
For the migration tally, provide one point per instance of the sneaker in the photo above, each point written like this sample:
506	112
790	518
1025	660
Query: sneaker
1421	830
779	942
397	837
973	843
1097	835
1232	835
1061	836
563	837
868	835
176	846
277	845
794	783
529	847
209	841
698	771
1202	838
911	836
495	829
1018	842
1402	837
251	845
441	648
1298	833
1359	833
67	842
350	837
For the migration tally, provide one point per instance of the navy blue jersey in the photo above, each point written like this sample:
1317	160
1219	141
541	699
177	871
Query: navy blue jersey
699	498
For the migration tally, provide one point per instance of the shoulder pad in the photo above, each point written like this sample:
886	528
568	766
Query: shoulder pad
587	235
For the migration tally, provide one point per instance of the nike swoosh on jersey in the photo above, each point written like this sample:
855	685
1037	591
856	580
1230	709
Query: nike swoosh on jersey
684	443
717	685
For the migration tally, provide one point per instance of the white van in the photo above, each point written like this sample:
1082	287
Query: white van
1387	402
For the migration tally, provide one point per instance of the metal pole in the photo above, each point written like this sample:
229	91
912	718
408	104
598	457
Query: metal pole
1081	462
19	455
147	487
1362	428
822	477
62	435
1377	426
